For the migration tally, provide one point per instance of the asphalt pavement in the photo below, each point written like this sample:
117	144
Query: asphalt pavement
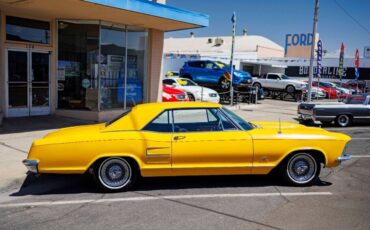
340	200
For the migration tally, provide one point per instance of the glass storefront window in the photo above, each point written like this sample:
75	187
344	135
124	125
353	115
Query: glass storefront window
112	67
27	30
78	54
137	40
100	65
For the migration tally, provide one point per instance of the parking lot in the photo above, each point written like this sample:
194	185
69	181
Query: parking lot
339	200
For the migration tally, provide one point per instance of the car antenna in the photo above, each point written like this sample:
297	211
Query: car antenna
279	132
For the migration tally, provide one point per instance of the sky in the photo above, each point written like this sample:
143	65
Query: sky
276	18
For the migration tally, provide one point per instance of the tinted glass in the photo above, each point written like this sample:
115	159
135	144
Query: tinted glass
195	120
168	81
112	65
78	57
17	74
196	64
27	30
356	100
272	76
226	124
245	125
185	82
163	123
40	79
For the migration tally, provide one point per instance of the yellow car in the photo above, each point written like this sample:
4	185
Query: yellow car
181	139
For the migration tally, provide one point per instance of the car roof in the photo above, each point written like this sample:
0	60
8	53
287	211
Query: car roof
142	114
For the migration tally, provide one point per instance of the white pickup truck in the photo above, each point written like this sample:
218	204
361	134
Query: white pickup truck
279	81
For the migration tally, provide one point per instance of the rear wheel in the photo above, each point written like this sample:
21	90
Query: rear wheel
343	120
258	85
301	169
115	174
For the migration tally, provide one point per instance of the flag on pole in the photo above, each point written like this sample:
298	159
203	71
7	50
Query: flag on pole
233	18
341	60
319	58
357	64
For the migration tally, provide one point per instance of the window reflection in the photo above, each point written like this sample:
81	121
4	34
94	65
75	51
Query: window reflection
27	30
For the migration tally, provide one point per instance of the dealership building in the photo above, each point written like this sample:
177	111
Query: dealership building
87	59
259	55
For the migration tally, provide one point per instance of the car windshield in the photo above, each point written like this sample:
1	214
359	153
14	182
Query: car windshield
284	77
186	82
241	122
118	117
326	84
222	65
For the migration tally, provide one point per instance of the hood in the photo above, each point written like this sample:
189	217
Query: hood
242	74
170	90
270	130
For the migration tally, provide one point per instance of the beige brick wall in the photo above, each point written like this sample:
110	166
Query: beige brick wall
155	64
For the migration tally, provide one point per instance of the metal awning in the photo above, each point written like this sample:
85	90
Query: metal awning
141	13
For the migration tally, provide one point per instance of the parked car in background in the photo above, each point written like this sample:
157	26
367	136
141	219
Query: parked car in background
186	139
170	94
172	74
194	91
318	92
279	81
342	89
214	74
356	108
331	91
358	86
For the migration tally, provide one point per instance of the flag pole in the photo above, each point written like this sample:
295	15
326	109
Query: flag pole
233	20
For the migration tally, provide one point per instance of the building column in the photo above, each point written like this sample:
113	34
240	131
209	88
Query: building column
154	83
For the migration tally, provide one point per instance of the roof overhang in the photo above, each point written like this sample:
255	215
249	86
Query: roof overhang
141	13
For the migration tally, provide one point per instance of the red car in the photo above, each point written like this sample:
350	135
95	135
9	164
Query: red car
331	92
171	94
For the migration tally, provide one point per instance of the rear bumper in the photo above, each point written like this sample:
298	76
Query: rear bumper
31	165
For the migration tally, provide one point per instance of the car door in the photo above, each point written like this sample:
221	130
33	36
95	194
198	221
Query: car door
197	70
206	143
272	81
157	138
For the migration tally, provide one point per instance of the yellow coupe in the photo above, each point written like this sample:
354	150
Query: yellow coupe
191	138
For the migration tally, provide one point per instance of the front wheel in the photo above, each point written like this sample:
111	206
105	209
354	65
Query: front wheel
290	89
115	174
301	169
224	83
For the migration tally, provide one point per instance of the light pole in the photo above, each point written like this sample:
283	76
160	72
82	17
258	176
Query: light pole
312	58
233	20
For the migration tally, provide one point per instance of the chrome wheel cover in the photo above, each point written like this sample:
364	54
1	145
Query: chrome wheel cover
343	120
290	89
114	173
225	84
302	168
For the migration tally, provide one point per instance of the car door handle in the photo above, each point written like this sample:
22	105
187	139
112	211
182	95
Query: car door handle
176	138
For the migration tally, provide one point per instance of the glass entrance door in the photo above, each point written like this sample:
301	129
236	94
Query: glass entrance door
28	83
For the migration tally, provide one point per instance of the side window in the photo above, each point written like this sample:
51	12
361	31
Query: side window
168	81
222	120
162	123
209	65
272	76
196	64
195	120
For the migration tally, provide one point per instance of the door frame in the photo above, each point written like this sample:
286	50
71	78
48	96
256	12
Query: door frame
27	111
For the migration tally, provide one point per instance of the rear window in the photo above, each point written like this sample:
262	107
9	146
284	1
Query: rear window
196	64
118	117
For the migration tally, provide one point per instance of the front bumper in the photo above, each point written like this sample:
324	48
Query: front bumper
344	157
305	117
31	165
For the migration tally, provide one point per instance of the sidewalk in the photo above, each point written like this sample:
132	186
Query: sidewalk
16	137
17	134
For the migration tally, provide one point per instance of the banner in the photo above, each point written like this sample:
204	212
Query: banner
341	59
357	64
319	58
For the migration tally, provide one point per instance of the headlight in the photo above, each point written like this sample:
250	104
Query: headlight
180	96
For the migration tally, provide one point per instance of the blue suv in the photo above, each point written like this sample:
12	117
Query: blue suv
214	73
